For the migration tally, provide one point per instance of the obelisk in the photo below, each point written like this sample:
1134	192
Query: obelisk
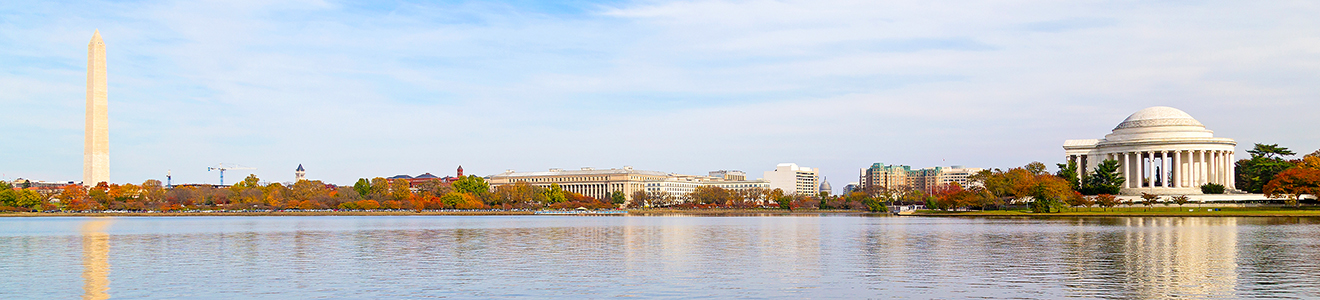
96	138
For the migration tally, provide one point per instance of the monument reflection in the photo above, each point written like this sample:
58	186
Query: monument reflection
96	259
1156	258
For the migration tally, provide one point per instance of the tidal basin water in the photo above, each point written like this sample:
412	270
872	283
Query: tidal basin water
657	257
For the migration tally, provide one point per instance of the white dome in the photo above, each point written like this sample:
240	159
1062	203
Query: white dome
1159	122
1158	116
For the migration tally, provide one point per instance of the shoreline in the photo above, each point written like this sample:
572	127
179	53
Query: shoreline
1198	212
631	212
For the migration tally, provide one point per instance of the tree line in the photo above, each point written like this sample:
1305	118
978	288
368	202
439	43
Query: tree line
1266	171
470	192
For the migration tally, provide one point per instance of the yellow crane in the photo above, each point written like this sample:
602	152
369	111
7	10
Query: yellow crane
224	168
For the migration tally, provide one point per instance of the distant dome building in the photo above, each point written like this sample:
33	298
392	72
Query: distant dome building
825	187
1160	150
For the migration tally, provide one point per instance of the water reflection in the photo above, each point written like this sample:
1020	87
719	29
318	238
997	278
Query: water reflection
660	257
96	258
1153	258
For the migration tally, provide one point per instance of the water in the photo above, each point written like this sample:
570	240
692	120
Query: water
658	257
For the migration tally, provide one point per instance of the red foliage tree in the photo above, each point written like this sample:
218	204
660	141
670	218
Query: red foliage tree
1291	184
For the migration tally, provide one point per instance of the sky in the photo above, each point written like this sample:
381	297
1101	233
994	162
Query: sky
381	88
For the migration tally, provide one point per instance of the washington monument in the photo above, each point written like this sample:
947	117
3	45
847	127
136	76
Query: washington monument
96	138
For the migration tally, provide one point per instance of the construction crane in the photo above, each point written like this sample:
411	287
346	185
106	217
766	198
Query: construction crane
224	168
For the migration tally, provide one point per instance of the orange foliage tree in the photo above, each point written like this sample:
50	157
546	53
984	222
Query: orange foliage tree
1291	184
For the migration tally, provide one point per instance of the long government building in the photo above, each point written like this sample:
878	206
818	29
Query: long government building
600	183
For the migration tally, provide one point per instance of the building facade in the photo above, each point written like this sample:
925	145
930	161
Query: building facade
729	174
587	181
680	186
416	181
794	179
924	180
901	178
1160	150
884	177
601	183
957	174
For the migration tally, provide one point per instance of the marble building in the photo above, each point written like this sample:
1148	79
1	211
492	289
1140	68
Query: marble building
1160	150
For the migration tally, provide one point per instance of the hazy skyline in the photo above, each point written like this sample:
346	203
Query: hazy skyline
362	90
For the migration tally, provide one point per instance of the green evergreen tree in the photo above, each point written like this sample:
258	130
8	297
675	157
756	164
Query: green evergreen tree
1068	171
1266	161
1106	179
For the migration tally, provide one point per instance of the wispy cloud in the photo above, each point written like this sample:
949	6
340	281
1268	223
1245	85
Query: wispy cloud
356	89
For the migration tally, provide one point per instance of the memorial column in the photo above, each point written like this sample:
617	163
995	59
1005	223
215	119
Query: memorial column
1164	169
1127	177
1193	177
1214	167
1232	170
1205	171
1178	169
1140	170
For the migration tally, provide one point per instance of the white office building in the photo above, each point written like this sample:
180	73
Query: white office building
793	179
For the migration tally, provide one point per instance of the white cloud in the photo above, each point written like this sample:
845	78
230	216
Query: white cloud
683	86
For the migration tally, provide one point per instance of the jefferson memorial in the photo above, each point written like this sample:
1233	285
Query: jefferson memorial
1160	150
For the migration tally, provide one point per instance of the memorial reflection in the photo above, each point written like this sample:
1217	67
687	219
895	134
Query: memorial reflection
1154	258
96	259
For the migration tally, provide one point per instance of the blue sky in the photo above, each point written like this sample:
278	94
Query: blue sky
370	89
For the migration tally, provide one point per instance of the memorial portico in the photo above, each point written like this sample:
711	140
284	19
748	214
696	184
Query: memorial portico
1160	150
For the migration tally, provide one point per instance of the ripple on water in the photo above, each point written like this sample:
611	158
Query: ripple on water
662	257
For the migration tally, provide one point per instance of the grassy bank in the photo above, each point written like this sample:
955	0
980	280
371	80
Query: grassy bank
1174	211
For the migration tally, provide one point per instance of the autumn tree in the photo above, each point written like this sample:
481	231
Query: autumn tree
1310	161
249	182
1149	200
380	189
1049	193
1180	200
100	195
19	199
1106	200
1085	201
708	194
1036	168
518	194
400	189
640	199
660	198
74	197
153	192
1291	184
1076	199
434	187
783	201
953	196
